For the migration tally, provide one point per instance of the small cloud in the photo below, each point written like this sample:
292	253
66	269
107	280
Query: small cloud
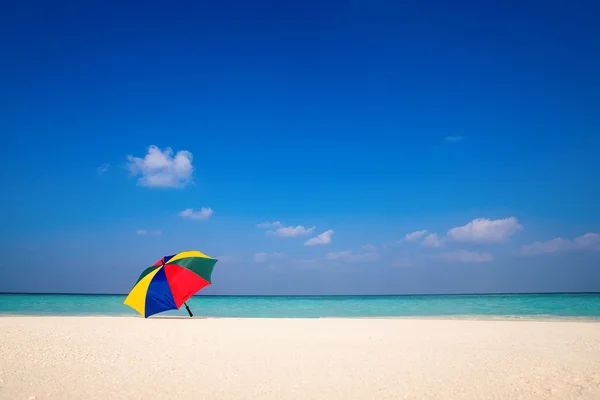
282	230
264	257
103	168
201	215
144	232
428	239
547	247
484	230
290	231
413	237
160	169
465	256
268	224
454	138
350	256
589	241
323	238
432	240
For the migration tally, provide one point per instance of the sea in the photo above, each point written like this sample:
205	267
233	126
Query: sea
511	306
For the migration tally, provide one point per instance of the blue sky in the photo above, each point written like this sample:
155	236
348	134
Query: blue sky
134	132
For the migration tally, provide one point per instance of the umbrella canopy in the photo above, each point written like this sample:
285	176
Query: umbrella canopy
170	282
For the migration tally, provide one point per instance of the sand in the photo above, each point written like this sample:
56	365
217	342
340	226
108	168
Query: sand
132	358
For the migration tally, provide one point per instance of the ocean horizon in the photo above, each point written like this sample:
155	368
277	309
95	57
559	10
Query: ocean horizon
493	305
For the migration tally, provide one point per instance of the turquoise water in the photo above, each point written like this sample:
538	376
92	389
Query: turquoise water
510	305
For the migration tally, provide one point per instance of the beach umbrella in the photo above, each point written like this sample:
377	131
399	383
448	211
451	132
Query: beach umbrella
170	282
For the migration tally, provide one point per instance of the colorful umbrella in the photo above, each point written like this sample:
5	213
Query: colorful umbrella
170	282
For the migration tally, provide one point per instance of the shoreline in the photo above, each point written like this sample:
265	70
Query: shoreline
485	318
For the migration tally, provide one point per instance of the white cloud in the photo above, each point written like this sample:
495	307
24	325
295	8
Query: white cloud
147	232
201	215
426	238
413	237
323	238
160	169
268	224
432	240
290	231
483	230
350	256
264	257
454	138
550	246
465	256
282	230
588	241
103	168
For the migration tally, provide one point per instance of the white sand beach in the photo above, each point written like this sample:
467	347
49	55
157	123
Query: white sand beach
132	358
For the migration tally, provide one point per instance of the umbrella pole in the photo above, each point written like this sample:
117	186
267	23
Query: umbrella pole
188	310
